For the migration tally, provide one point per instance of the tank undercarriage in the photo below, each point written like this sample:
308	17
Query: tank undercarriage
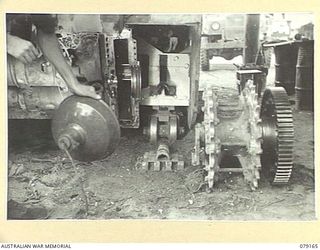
147	85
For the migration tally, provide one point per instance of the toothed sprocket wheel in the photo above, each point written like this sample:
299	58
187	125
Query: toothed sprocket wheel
277	135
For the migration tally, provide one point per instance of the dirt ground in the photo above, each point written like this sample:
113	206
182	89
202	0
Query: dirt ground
43	184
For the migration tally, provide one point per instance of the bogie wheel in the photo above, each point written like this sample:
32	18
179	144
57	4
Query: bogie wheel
277	135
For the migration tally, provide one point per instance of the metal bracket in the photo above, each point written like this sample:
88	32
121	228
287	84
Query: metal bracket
161	160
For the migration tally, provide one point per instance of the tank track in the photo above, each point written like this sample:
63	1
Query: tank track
283	121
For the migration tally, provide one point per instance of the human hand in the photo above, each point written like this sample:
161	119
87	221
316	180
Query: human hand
21	49
84	90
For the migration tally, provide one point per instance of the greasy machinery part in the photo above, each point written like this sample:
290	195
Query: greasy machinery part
163	126
129	82
132	73
162	131
161	159
207	145
169	87
251	38
34	102
38	73
135	78
204	60
238	134
251	162
277	135
36	89
87	128
195	34
245	73
112	64
153	129
212	143
179	67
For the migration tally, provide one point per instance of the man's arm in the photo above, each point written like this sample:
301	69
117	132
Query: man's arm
49	45
21	49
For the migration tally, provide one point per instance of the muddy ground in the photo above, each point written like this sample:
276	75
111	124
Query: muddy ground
43	184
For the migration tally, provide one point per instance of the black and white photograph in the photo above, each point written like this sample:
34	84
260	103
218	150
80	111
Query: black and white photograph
185	117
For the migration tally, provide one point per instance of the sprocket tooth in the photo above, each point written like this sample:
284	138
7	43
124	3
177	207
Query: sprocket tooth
275	107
